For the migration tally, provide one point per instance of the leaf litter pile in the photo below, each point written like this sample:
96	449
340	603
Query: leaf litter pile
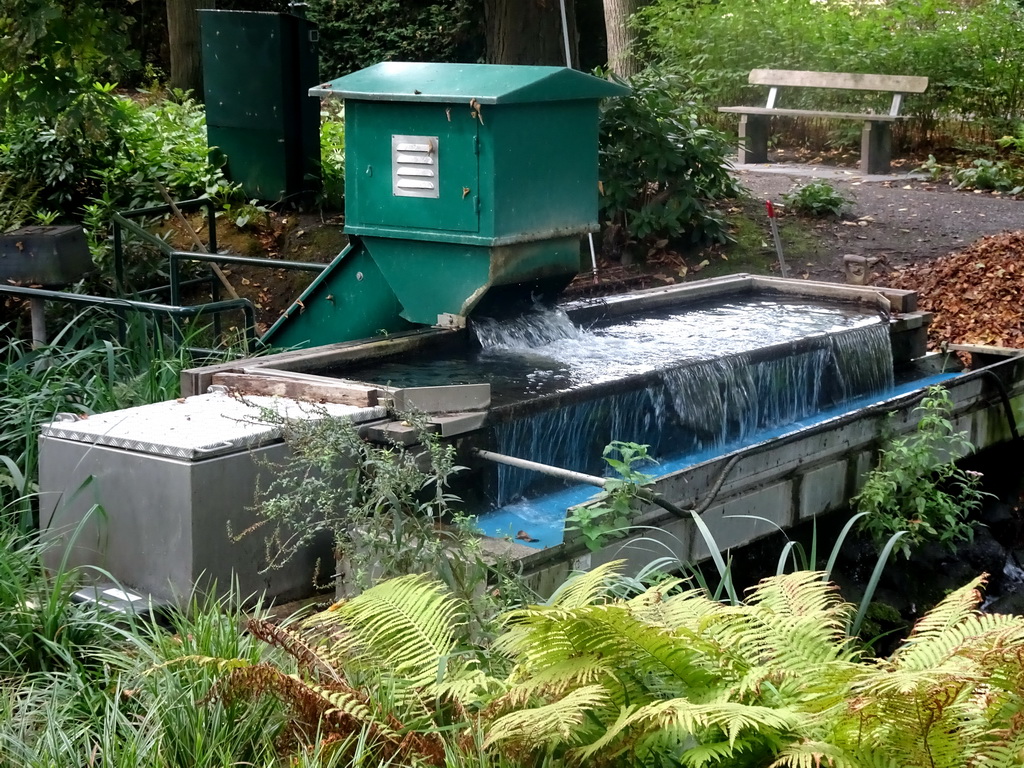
977	294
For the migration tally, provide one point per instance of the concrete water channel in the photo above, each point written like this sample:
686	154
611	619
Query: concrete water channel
820	386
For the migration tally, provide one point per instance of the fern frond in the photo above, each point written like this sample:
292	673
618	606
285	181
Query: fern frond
692	609
1005	747
585	588
795	620
558	721
730	718
470	688
402	627
294	644
814	754
935	635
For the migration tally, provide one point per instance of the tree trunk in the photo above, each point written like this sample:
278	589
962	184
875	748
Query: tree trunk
621	37
183	34
529	32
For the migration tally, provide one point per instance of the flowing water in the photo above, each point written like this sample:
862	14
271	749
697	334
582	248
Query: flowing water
683	381
545	353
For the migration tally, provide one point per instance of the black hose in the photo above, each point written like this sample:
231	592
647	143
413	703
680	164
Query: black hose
1004	396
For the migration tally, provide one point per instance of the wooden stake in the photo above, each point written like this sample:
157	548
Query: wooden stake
195	239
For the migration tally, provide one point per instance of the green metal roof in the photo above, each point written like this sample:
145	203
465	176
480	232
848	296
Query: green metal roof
487	83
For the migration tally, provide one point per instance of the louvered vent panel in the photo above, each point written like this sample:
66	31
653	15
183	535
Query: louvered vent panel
414	166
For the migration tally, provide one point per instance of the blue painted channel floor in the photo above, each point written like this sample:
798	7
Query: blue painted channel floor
543	517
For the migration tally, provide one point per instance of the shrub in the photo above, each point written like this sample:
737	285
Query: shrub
996	175
918	488
355	34
819	198
661	168
149	145
665	677
970	51
332	157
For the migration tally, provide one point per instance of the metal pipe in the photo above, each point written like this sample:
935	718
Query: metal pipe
196	202
252	261
544	469
37	309
579	477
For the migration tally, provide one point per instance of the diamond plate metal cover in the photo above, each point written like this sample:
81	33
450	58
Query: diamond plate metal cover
198	427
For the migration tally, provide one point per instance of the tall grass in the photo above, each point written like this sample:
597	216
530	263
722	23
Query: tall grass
83	370
78	688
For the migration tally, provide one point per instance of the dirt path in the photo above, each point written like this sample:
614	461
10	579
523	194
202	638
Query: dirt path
901	219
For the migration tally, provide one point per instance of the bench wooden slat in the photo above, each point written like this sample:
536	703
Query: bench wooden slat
814	113
846	80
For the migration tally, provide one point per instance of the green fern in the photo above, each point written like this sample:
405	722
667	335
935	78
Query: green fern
405	625
668	677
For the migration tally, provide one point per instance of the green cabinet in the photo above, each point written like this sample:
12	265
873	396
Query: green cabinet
468	187
514	159
257	69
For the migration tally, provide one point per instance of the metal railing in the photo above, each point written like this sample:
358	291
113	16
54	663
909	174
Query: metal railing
122	222
119	306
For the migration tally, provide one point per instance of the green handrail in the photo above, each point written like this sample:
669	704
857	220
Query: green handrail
119	305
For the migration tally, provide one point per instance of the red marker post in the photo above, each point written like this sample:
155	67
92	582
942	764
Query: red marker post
774	224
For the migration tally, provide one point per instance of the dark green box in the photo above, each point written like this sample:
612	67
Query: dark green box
257	69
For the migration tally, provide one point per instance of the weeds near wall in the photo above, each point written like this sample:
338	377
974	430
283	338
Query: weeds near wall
661	166
917	487
817	198
387	508
609	517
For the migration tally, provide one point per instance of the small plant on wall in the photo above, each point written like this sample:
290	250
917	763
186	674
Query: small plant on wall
388	509
917	487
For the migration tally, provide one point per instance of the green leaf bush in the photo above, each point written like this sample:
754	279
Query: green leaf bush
661	166
972	52
817	198
917	486
357	33
667	676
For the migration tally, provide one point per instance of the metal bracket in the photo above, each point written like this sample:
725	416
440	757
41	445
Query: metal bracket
448	320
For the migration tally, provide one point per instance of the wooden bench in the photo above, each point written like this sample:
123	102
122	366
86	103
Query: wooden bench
876	138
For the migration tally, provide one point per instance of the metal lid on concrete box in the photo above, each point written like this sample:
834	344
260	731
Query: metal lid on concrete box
199	427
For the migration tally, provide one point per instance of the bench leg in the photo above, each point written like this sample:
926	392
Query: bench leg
753	139
875	148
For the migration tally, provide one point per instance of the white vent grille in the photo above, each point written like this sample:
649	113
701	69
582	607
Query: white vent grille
414	166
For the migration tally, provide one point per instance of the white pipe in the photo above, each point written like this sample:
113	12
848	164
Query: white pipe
568	63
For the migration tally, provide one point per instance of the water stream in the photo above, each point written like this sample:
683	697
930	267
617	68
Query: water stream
691	383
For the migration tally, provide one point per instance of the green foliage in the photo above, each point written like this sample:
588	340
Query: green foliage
970	51
661	168
52	55
918	488
355	34
387	508
41	629
332	158
610	515
665	677
163	143
17	202
122	694
998	175
817	198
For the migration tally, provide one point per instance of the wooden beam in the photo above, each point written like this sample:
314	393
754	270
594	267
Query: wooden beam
346	393
845	80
